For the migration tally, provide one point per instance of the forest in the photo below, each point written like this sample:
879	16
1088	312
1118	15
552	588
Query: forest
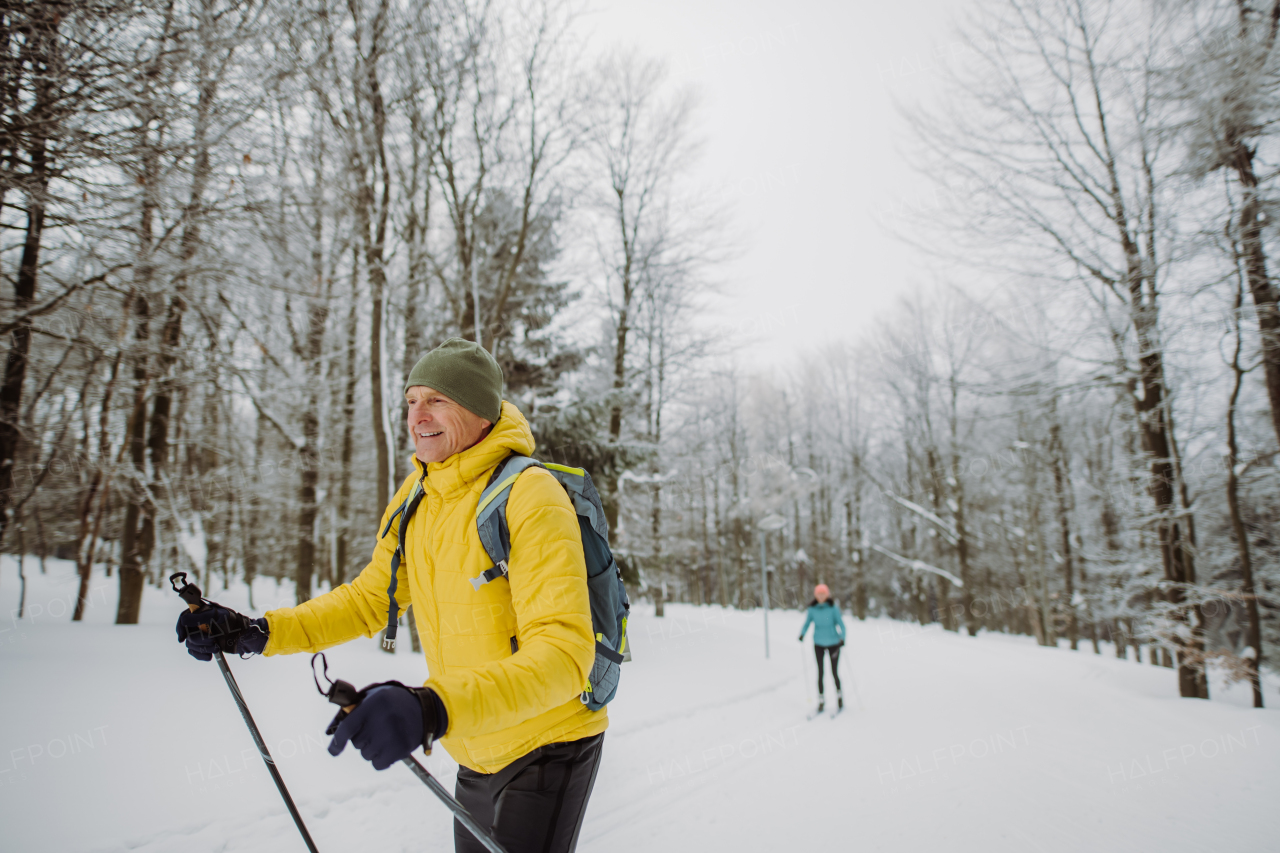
231	227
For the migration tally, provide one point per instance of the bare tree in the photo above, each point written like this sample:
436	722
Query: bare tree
1235	467
1229	86
1055	136
641	140
215	38
55	62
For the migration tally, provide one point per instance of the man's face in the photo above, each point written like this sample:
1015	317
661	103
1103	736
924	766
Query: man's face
439	426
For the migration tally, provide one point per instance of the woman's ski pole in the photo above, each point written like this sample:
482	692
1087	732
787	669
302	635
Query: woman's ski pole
344	694
805	654
190	593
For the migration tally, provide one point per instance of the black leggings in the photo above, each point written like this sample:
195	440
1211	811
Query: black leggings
834	651
536	803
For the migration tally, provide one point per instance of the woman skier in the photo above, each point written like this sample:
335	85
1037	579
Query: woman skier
828	637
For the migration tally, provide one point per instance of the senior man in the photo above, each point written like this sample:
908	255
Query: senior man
507	660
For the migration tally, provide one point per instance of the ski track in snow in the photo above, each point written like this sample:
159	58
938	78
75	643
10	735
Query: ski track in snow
114	739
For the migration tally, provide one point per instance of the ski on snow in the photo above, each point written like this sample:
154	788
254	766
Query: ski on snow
832	714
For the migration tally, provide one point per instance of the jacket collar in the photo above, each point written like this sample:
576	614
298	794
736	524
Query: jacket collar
511	434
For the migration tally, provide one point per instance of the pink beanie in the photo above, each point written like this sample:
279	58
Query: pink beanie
821	590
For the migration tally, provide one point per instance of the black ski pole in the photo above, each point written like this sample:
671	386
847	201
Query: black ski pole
459	811
190	593
344	694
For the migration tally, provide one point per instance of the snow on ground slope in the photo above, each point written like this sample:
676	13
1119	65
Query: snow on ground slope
111	738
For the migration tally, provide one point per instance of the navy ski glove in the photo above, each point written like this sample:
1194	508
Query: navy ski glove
389	724
216	627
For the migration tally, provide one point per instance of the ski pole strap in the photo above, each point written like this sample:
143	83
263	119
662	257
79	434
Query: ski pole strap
405	512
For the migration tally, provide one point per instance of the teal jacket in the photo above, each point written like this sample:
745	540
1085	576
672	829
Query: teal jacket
828	626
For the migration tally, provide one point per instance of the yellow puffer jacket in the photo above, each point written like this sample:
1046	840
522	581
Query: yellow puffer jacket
509	660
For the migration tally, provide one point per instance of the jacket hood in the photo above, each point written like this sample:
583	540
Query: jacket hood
511	434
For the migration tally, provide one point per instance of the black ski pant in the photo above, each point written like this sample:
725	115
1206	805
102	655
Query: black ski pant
834	652
533	805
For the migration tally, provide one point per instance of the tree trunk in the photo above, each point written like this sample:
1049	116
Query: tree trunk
143	539
856	543
705	531
373	234
45	72
417	225
1175	554
1237	521
15	368
310	461
138	508
348	428
317	320
1057	454
381	429
722	585
1250	225
613	499
88	531
253	521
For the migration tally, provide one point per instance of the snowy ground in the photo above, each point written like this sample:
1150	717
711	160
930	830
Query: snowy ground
112	738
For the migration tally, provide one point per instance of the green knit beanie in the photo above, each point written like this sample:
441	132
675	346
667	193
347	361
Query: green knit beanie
463	372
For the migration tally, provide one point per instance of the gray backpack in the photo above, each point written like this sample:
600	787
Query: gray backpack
609	603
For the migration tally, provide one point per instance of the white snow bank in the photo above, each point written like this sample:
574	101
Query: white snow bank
113	738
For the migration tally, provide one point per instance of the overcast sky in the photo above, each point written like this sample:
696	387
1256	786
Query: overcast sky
797	112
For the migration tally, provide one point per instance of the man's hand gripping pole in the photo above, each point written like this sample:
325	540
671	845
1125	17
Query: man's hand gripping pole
190	593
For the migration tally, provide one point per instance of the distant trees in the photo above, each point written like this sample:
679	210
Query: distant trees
249	220
235	226
1037	458
55	67
1068	134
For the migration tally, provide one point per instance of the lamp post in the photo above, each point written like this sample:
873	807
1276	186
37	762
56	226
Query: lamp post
770	522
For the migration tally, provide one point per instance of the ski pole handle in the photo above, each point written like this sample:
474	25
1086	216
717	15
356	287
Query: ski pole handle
341	693
188	592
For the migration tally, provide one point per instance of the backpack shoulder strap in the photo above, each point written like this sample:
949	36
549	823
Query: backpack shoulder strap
491	515
405	512
586	500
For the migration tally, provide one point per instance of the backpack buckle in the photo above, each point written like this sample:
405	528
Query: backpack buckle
498	571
